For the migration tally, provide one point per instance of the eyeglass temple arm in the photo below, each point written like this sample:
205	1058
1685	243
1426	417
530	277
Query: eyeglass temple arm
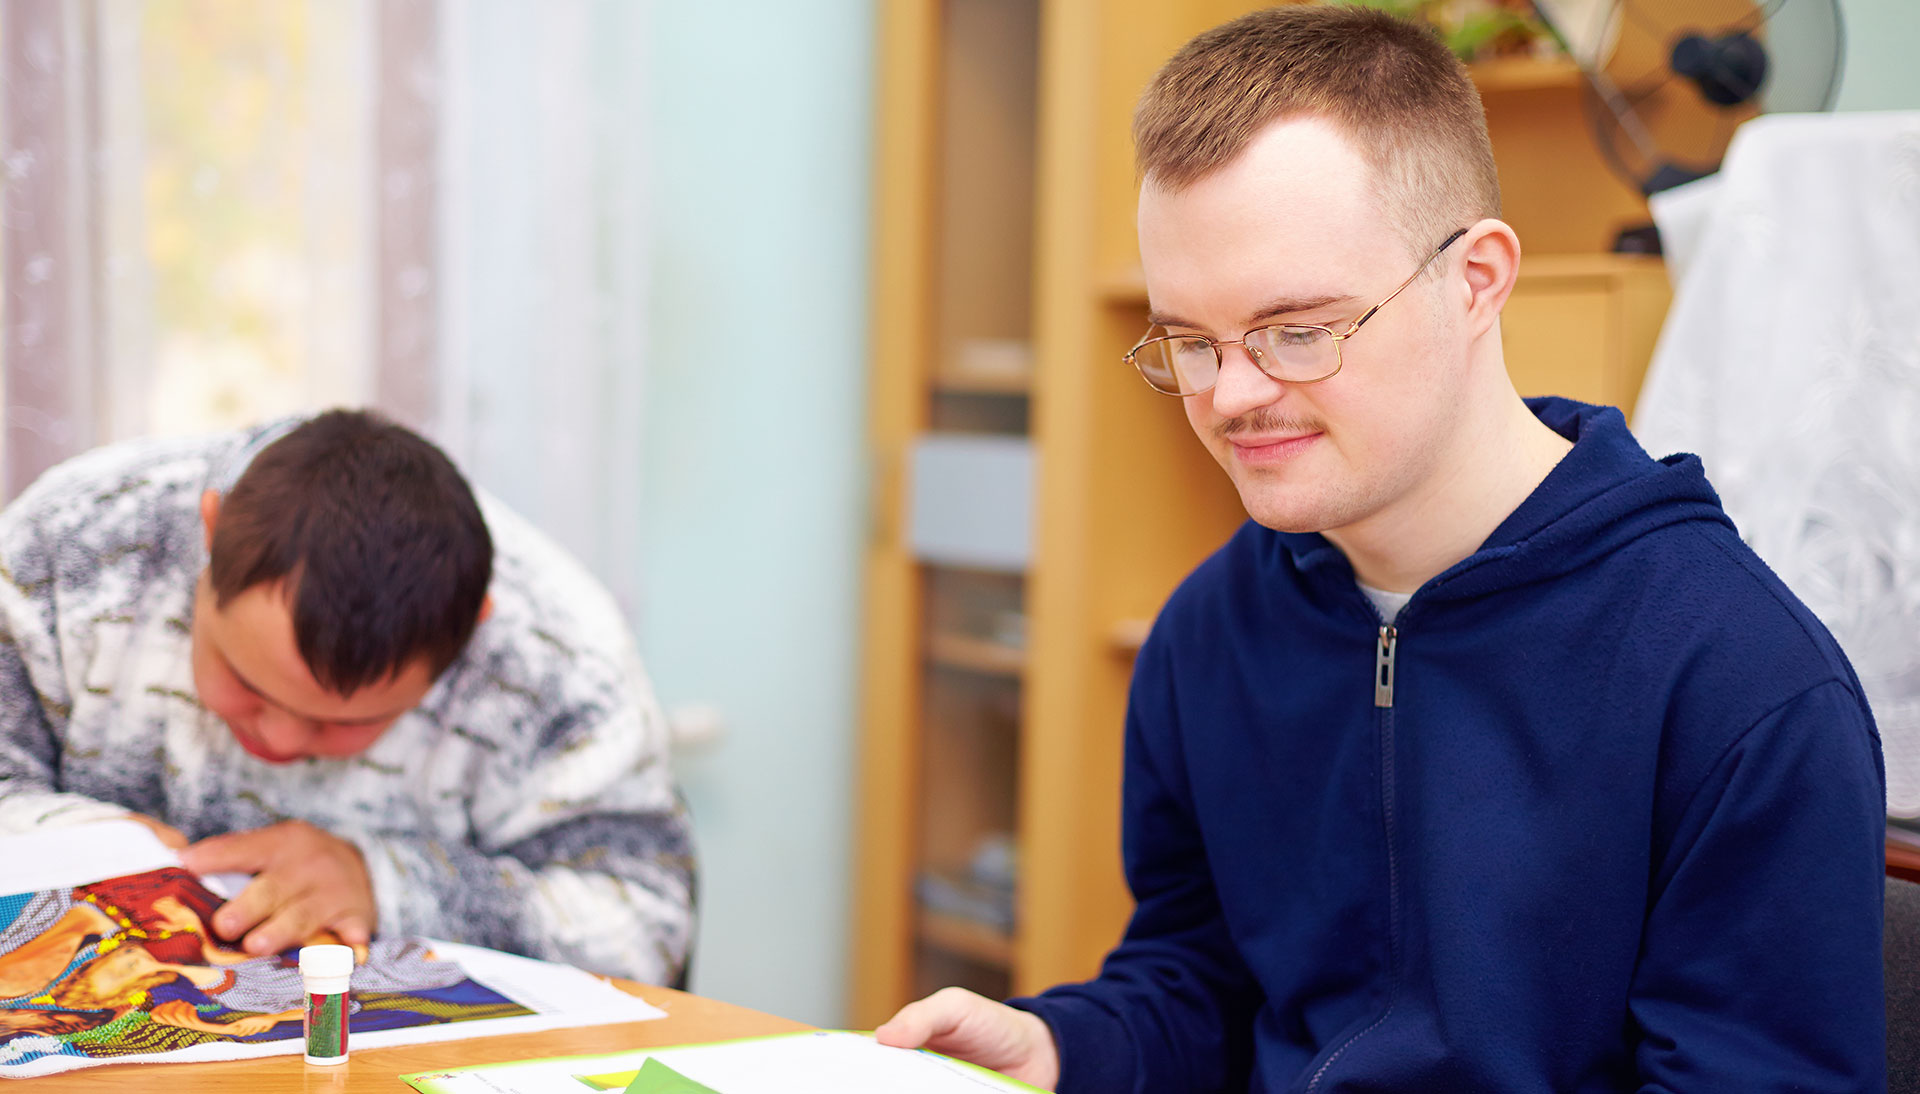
1358	323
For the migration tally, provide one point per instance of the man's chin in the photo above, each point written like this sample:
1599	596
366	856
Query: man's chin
1285	522
259	751
1283	510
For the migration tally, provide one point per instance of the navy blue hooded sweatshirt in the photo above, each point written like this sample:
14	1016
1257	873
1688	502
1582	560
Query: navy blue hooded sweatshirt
1602	811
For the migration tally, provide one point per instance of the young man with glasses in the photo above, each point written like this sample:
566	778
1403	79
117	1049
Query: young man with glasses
1486	758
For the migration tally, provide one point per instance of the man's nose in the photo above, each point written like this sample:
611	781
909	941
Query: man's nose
283	732
1242	386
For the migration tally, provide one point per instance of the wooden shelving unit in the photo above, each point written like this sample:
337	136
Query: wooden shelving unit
1004	207
965	938
1128	635
1526	74
960	383
978	655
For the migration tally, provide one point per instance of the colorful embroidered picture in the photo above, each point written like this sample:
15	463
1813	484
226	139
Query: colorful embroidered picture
126	970
126	966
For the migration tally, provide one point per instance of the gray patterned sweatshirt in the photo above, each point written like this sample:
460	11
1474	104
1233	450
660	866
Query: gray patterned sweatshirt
526	805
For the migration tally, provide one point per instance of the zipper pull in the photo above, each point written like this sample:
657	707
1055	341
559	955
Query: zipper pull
1383	667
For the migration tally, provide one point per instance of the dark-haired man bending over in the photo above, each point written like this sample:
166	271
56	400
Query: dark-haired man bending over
309	653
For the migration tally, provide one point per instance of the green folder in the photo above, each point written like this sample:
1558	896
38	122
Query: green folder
657	1078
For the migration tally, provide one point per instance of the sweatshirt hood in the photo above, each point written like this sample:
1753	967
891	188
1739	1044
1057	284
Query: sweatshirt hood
1605	493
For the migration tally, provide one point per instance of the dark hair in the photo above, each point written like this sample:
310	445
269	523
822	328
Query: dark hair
1389	85
378	539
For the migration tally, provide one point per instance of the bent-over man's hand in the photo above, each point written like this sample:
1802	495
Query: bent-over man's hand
305	881
976	1029
168	835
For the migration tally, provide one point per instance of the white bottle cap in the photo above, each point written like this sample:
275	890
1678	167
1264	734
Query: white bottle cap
326	962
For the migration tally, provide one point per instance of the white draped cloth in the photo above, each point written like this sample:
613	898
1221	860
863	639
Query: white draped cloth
1790	362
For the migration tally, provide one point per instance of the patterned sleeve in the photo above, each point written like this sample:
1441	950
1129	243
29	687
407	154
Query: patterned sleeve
34	699
580	847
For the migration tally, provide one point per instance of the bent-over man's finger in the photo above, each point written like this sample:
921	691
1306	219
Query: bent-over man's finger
354	931
260	899
290	925
232	853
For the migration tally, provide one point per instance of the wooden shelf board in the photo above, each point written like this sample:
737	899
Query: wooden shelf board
959	651
1603	264
1129	635
1124	287
1525	74
954	382
1128	287
975	941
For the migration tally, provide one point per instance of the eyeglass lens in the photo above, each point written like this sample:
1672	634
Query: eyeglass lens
1184	366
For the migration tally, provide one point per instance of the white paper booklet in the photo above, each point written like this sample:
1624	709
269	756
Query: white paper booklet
793	1063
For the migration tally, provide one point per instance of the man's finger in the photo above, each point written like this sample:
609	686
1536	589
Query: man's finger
354	931
906	1029
233	853
917	1023
260	899
292	925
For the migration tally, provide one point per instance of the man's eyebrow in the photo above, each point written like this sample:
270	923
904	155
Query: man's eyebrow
1292	305
248	684
1285	305
1163	319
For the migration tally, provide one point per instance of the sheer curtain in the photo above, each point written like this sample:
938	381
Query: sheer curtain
1790	362
214	212
543	266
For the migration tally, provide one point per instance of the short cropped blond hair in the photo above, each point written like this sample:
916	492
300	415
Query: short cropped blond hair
1390	86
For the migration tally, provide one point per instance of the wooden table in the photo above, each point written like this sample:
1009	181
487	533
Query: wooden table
689	1019
1903	861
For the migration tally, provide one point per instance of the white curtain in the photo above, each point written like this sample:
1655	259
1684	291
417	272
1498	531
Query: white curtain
221	211
543	260
1790	362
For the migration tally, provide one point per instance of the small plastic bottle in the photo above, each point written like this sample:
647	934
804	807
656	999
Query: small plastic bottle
325	971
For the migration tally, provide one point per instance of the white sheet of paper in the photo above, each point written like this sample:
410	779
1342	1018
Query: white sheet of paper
60	858
802	1063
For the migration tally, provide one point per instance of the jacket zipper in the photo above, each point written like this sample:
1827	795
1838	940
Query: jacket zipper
1383	665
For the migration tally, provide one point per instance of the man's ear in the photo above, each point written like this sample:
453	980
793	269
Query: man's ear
1492	266
209	514
486	609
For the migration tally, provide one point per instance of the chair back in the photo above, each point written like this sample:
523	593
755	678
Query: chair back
1902	951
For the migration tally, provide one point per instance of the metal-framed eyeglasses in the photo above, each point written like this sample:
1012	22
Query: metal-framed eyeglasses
1292	353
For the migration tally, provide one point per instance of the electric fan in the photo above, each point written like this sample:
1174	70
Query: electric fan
1670	80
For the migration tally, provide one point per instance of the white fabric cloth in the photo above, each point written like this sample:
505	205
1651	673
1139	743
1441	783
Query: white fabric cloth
1790	362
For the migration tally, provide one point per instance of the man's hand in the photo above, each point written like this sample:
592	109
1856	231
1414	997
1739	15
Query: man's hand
170	836
305	881
959	1023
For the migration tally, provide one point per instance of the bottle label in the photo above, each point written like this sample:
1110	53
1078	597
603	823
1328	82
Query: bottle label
326	1025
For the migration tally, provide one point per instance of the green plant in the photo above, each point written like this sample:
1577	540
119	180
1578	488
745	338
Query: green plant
1473	29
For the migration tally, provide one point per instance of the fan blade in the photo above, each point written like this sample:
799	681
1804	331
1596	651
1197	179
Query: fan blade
1624	113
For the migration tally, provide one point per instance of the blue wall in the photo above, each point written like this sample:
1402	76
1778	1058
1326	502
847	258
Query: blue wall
1883	55
753	501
